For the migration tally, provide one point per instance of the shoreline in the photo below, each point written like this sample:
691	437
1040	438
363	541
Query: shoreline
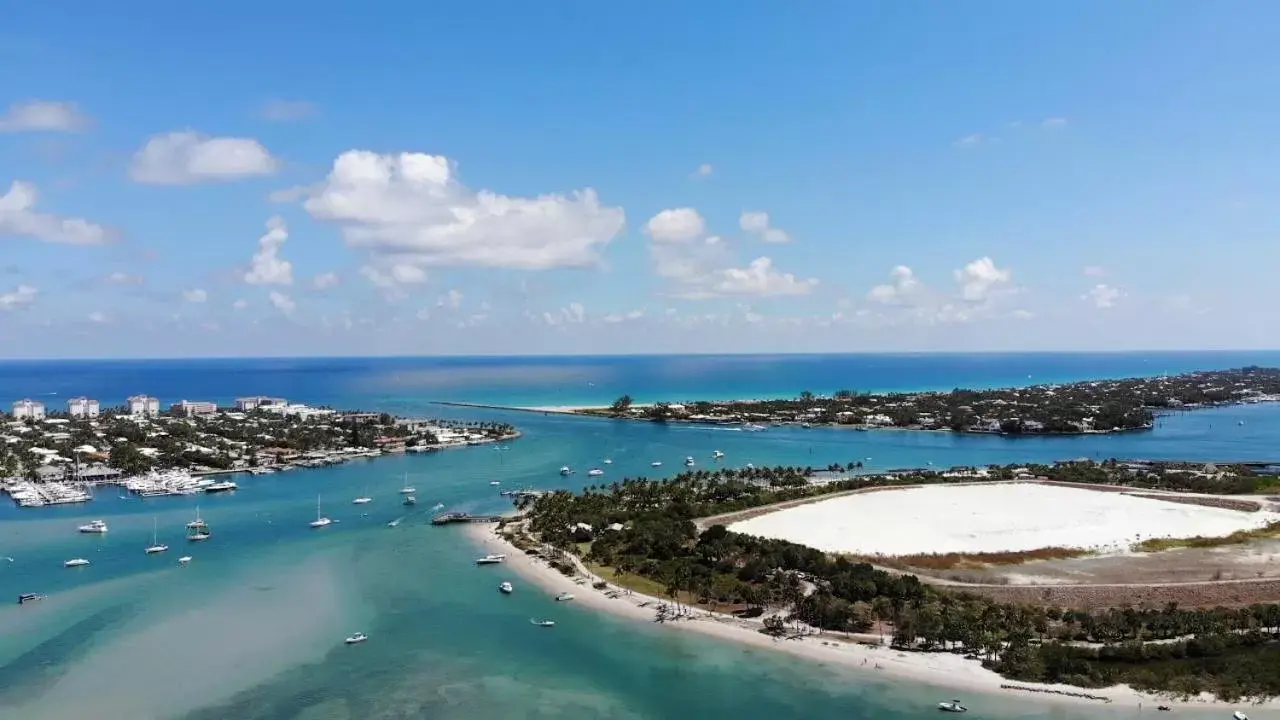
859	653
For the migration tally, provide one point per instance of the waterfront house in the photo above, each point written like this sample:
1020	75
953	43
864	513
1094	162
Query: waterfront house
82	407
143	406
194	408
32	409
390	444
245	404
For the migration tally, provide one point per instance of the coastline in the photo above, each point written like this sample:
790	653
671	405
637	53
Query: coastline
859	653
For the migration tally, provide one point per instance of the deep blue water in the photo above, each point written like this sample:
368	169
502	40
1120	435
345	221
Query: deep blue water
253	628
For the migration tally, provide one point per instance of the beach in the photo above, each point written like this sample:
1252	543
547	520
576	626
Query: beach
859	654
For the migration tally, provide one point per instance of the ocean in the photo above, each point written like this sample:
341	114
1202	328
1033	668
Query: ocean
253	627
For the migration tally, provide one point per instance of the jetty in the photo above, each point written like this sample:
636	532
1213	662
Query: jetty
461	517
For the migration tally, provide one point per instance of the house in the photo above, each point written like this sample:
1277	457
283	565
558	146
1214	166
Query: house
33	409
390	444
245	404
192	408
82	407
143	406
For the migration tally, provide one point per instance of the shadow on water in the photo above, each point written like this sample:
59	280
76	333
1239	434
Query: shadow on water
35	670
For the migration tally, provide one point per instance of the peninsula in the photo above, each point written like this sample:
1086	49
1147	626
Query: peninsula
1095	406
698	541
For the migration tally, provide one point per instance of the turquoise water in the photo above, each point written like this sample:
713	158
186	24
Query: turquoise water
253	628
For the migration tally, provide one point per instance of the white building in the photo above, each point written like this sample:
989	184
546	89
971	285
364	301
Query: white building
192	408
245	404
82	407
24	409
143	406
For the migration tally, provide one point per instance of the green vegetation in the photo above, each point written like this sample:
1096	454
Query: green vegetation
1240	537
1230	652
948	561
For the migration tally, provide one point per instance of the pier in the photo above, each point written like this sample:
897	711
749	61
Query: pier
461	517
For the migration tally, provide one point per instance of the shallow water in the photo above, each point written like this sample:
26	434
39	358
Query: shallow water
253	628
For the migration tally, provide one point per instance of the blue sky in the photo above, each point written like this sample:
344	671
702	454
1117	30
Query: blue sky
440	178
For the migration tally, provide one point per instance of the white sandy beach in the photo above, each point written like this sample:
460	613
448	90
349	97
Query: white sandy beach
946	670
996	517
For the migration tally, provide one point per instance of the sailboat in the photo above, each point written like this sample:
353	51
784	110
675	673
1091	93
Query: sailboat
197	523
156	547
198	529
363	499
320	521
407	490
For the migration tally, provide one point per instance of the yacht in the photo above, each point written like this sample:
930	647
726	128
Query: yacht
689	461
357	638
953	706
198	522
155	546
595	472
495	483
198	533
542	623
492	559
96	527
184	559
406	489
656	463
752	427
25	598
1237	715
717	454
566	470
224	486
607	461
564	597
410	500
320	520
362	501
77	562
506	588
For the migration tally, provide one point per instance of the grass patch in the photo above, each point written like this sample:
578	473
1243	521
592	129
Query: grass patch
950	561
1239	537
636	583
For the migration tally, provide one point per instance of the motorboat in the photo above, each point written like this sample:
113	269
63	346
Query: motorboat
96	527
25	598
492	559
717	454
542	623
155	546
752	427
689	461
184	559
409	500
1238	715
76	562
564	597
607	461
224	486
495	483
321	520
952	706
357	638
656	463
566	470
506	588
595	472
362	501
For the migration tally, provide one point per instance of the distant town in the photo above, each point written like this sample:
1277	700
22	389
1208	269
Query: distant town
50	456
1096	406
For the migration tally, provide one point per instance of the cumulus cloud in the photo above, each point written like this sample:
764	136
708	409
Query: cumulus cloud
324	281
282	302
902	287
19	217
97	317
19	297
1102	296
613	318
44	116
757	223
186	157
122	278
195	295
451	300
761	278
980	278
704	170
970	140
277	110
572	314
675	225
268	268
240	304
410	209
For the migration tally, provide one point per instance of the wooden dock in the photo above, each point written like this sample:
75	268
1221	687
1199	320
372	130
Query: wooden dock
461	517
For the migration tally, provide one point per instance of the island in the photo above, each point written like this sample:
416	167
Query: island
1095	406
1018	571
55	457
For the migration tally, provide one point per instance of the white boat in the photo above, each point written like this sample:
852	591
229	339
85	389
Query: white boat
1239	715
566	470
564	597
96	527
198	533
155	546
542	623
77	562
492	559
198	522
607	461
407	489
689	461
320	520
717	454
363	499
184	559
357	638
506	588
224	486
752	427
953	706
595	472
656	463
495	482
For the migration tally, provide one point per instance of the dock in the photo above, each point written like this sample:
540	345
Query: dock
461	517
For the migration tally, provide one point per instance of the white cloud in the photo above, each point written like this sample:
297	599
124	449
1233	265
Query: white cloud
185	157
282	302
44	116
97	317
760	278
980	278
1022	314
757	223
704	170
904	285
289	194
1054	122
613	318
268	267
410	208
1094	271
970	140
573	314
451	300
277	110
195	295
122	278
1102	296
408	274
18	217
324	281
240	304
676	225
20	297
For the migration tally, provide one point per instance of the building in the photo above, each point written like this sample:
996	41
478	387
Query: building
143	406
245	404
192	408
82	407
24	409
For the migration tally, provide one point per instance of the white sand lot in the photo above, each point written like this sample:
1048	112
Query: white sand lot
991	518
